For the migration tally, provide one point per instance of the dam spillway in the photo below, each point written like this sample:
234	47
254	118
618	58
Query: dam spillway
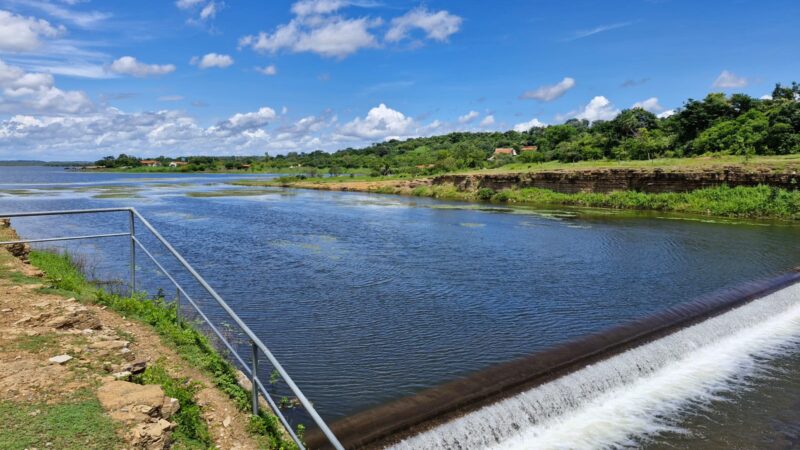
605	390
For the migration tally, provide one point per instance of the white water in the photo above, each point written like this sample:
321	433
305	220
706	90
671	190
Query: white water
634	396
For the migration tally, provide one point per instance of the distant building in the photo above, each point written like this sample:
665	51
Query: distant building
425	166
503	151
149	163
246	166
178	164
529	148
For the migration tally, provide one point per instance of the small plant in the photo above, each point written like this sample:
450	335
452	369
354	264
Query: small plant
485	194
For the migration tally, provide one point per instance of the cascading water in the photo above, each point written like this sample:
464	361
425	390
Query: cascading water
627	398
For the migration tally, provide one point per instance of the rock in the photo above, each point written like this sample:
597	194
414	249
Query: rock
78	319
124	375
120	398
151	436
170	407
60	359
136	367
24	321
6	310
226	422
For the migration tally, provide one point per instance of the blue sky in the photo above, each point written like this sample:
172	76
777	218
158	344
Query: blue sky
82	79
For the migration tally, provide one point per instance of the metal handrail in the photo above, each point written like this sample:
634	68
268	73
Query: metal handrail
256	343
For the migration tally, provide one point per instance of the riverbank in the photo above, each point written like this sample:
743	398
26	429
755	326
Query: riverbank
80	368
731	191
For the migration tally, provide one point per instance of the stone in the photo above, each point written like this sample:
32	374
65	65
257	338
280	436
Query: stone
60	359
78	319
6	310
136	367
118	396
170	407
124	375
226	422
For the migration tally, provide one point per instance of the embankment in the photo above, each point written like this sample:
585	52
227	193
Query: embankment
607	180
727	192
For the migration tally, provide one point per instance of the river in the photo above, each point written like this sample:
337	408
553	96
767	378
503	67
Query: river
367	298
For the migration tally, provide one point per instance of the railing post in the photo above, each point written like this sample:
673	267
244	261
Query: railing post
253	377
178	304
133	254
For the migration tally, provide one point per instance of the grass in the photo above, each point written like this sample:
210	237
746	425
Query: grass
191	431
36	343
723	201
78	424
193	346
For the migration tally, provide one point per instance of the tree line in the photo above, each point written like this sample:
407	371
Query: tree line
736	124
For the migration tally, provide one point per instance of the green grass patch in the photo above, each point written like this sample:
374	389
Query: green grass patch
192	345
191	431
77	425
36	343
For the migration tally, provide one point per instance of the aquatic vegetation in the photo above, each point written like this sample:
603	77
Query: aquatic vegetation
229	193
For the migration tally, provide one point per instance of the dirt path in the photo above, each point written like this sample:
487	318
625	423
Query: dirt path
53	347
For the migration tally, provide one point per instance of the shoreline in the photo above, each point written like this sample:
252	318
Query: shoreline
729	193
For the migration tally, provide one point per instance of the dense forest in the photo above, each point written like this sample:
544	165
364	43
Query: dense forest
737	124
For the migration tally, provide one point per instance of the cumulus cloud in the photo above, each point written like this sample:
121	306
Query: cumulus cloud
438	25
729	80
487	121
525	126
209	11
651	105
128	65
210	60
333	36
36	92
23	34
319	27
548	93
381	122
268	70
312	7
599	108
468	117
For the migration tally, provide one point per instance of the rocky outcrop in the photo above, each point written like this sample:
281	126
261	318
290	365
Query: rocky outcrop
608	180
20	251
144	407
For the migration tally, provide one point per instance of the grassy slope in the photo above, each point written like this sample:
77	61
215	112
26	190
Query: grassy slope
192	345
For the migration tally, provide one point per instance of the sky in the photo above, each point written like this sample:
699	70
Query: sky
81	79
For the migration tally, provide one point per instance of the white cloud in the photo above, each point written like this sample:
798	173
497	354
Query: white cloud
268	70
666	114
240	122
651	105
525	126
596	30
766	97
468	117
317	7
187	4
128	65
438	25
599	108
170	98
82	19
35	92
209	11
319	27
487	121
326	36
212	60
549	93
729	80
381	122
23	34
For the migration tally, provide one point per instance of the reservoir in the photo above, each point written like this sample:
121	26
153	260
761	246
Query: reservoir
368	298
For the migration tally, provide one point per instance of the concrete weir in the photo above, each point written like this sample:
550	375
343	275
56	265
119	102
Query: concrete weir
392	422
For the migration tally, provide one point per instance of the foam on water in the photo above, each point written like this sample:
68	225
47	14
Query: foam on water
638	394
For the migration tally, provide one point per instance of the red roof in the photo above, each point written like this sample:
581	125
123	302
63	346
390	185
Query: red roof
504	151
148	161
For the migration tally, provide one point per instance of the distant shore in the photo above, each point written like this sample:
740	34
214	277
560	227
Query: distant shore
748	190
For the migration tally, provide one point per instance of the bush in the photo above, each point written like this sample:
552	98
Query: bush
485	193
